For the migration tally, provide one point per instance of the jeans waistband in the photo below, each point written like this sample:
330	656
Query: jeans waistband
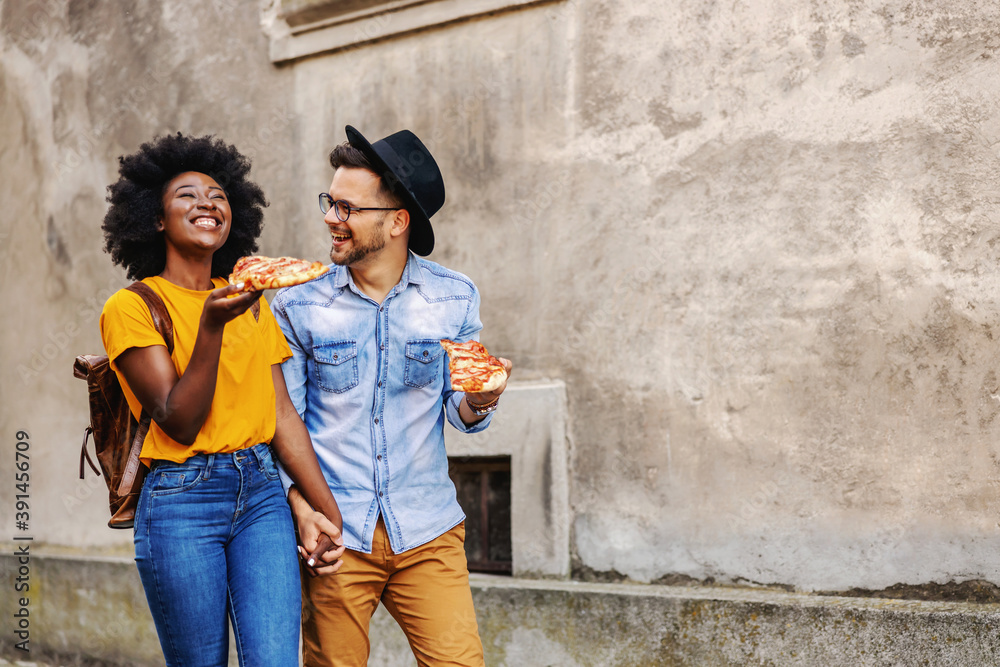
259	453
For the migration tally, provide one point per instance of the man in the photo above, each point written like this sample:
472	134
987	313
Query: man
370	379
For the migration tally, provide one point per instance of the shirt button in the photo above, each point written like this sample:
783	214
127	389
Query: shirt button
379	457
382	346
425	354
380	383
376	420
379	494
334	357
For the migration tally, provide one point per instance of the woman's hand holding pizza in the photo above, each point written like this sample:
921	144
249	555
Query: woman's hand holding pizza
221	308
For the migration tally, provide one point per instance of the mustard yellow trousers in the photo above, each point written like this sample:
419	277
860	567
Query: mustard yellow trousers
426	589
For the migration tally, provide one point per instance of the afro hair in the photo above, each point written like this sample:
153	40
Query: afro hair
136	199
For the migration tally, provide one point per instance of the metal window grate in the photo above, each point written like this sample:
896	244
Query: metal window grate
483	487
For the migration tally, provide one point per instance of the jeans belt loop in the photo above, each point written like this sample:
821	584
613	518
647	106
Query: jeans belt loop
208	465
258	452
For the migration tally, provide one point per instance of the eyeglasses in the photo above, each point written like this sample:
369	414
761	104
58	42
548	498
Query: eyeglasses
343	209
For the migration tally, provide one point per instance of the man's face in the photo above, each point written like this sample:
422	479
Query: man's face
363	236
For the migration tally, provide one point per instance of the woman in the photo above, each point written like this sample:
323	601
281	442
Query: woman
213	532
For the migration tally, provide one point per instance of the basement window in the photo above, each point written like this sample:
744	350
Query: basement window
483	487
528	433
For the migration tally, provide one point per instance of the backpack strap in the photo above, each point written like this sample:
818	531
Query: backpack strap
161	318
165	326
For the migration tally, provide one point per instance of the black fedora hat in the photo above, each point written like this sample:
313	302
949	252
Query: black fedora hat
410	171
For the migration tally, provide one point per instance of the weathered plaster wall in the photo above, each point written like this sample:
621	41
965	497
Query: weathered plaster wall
755	239
780	291
80	84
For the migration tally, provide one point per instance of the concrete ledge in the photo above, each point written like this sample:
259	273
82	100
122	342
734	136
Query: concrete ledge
93	607
309	27
79	607
617	624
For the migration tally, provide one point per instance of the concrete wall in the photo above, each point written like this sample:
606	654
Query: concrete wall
755	240
80	84
95	607
798	258
774	269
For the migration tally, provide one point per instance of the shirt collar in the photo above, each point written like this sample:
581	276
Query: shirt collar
413	273
340	275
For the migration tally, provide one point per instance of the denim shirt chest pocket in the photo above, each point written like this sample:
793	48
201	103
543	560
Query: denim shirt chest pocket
335	366
423	362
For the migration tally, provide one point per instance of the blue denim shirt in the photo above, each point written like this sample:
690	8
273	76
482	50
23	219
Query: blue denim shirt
371	383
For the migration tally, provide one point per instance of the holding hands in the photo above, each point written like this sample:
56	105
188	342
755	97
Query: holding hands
321	543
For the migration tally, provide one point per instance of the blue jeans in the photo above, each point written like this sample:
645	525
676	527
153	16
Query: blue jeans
214	535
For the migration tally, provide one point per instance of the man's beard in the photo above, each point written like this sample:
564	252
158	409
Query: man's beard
376	241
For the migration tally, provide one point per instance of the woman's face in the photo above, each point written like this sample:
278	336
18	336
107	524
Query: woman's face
196	214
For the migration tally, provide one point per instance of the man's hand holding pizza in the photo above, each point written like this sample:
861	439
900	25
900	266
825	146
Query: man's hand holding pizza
481	376
481	397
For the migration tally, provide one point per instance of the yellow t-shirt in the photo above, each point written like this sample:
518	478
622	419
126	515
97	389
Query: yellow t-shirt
242	412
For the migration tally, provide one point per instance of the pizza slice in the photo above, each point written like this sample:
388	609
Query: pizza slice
472	368
261	273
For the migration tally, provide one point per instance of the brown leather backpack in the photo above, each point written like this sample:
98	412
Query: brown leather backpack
118	436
